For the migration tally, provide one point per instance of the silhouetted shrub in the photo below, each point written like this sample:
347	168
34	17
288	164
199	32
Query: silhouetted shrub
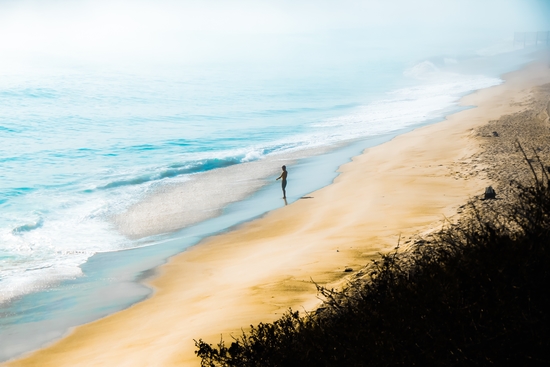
476	294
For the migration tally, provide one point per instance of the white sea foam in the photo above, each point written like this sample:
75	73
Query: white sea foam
425	69
409	106
38	257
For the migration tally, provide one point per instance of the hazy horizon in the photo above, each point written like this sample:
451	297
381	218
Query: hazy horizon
146	33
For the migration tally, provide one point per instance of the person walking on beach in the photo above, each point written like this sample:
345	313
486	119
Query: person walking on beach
283	183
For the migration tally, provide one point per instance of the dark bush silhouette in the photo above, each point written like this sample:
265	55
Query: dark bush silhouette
476	294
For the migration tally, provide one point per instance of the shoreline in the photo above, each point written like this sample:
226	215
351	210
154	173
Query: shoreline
255	272
114	281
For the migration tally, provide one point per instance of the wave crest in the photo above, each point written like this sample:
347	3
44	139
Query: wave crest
423	70
28	227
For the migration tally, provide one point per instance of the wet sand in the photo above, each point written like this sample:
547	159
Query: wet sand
400	189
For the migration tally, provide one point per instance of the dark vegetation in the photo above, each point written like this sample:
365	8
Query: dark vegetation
474	294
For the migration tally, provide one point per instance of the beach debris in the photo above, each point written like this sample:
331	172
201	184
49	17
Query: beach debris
495	134
348	270
490	193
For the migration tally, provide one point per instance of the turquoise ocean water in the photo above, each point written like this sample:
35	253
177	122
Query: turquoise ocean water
79	146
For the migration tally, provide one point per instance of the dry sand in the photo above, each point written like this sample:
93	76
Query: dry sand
254	273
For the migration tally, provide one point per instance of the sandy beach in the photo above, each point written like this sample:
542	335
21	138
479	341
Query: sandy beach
393	192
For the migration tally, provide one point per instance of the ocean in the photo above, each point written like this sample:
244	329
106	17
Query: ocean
89	159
